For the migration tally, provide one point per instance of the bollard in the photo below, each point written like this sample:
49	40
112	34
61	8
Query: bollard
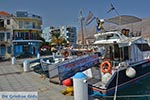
26	66
38	55
80	86
13	59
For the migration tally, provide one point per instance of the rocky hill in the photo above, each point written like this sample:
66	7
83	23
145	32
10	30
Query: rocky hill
142	28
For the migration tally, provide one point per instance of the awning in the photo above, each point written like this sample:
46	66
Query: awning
27	30
123	19
26	41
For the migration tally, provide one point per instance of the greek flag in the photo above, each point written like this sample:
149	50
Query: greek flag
111	8
90	17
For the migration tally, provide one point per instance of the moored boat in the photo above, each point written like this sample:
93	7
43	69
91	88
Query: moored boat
125	60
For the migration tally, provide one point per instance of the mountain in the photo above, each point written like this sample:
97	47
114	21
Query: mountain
142	27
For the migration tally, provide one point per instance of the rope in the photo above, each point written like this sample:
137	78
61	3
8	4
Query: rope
115	94
129	96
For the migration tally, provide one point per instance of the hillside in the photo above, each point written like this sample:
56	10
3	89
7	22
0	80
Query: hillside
142	27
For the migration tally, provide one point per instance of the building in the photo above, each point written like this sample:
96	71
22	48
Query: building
22	30
68	32
5	34
71	35
46	34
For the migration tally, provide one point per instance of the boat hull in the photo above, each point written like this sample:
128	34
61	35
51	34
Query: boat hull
142	71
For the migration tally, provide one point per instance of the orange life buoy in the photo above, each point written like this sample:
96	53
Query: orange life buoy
66	53
106	67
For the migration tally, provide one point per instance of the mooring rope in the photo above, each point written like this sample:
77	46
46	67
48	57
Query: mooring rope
128	96
115	94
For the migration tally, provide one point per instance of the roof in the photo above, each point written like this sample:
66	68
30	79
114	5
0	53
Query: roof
122	40
26	41
123	19
3	13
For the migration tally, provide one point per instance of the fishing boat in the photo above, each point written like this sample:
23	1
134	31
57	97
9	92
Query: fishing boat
125	59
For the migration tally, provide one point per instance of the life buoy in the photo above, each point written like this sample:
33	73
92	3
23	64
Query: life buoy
106	67
66	53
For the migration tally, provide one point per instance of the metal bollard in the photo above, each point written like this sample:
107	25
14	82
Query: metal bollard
26	66
38	55
13	59
80	86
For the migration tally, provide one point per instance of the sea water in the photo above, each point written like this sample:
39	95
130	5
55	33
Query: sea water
137	91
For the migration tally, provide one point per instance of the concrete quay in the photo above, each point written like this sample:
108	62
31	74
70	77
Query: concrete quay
13	79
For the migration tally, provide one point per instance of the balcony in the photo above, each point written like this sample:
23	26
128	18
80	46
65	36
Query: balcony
2	28
22	14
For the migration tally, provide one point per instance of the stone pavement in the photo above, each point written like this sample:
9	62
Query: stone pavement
12	78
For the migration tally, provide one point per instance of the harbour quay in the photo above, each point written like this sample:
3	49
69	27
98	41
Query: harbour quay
13	79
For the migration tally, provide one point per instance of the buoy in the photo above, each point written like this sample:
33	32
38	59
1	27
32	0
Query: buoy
106	77
67	82
106	67
68	91
130	72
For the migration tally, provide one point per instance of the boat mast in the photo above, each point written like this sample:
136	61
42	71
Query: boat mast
81	22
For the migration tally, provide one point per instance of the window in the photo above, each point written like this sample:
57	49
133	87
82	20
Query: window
2	50
8	35
20	24
143	47
8	21
28	24
9	49
2	36
1	23
33	25
126	53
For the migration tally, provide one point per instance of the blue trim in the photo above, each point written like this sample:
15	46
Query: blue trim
79	75
95	93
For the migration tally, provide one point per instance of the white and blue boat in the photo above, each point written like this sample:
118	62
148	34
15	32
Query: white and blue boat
125	60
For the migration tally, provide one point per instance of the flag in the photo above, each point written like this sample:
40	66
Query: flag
90	18
111	8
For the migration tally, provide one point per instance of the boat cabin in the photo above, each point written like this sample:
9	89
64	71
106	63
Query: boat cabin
117	47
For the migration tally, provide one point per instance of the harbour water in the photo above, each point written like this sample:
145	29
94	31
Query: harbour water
137	91
141	87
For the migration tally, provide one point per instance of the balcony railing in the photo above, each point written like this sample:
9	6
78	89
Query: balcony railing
27	15
3	28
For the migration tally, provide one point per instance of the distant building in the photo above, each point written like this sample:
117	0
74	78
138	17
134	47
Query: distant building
22	30
68	32
46	34
71	35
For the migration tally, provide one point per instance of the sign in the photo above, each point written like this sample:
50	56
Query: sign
69	69
19	95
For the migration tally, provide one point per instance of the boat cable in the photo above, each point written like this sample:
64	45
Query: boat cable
115	94
128	96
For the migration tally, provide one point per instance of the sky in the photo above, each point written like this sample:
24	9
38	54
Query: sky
66	12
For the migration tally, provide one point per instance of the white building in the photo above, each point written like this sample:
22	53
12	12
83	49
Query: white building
68	32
